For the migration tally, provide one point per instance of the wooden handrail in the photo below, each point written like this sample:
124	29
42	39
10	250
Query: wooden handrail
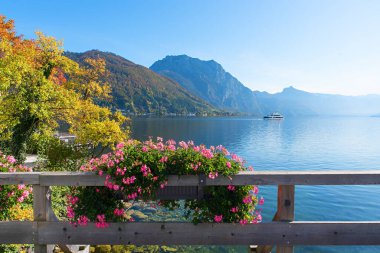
170	233
283	231
344	177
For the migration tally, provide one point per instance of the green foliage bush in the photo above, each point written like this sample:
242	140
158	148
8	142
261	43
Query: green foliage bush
136	170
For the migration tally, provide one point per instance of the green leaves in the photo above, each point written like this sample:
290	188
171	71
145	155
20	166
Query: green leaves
134	171
40	89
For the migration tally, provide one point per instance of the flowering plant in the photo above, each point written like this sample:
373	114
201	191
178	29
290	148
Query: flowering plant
11	195
135	170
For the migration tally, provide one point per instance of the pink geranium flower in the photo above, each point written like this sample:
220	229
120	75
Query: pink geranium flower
247	200
243	221
118	212
11	159
213	175
231	188
218	218
101	221
207	153
83	220
120	145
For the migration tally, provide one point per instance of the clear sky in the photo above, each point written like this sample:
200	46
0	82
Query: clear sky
329	46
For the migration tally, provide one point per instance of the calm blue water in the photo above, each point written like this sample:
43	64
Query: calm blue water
315	143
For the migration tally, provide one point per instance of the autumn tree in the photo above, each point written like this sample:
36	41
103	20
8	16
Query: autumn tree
41	89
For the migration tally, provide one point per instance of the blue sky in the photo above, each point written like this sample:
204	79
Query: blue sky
328	46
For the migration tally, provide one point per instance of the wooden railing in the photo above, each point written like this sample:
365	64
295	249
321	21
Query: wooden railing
283	231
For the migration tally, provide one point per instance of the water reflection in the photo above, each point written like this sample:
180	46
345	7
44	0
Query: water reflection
331	143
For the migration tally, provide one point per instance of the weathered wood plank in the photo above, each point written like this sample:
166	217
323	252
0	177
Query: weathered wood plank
71	179
267	248
285	203
243	178
178	192
40	212
285	212
17	232
284	249
300	178
52	217
19	178
280	233
40	203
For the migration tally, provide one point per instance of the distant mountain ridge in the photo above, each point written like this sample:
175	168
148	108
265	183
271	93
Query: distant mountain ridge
209	81
186	85
136	89
294	102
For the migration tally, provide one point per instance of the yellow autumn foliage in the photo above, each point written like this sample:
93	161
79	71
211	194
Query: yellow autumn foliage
21	212
40	89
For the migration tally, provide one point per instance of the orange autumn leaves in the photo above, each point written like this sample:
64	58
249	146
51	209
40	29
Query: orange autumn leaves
40	89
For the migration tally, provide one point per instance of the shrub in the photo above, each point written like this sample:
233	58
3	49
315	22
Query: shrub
135	170
12	195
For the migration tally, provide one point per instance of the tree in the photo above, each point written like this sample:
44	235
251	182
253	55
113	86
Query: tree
41	89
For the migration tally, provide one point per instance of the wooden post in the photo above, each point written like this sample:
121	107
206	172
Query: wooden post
40	212
284	249
285	211
201	184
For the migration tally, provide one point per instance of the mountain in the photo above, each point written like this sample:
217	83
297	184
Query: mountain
137	89
209	81
285	103
294	102
183	85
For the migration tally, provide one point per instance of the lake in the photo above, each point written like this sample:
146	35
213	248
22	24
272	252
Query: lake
308	143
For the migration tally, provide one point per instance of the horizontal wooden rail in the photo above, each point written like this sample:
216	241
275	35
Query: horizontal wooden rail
343	177
280	233
283	231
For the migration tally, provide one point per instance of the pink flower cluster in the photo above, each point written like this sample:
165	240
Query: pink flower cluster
231	188
72	200
247	200
195	166
118	212
207	153
213	175
222	149
132	195
237	158
218	218
83	220
129	180
164	159
101	221
11	159
11	194
145	170
183	145
134	168
24	192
